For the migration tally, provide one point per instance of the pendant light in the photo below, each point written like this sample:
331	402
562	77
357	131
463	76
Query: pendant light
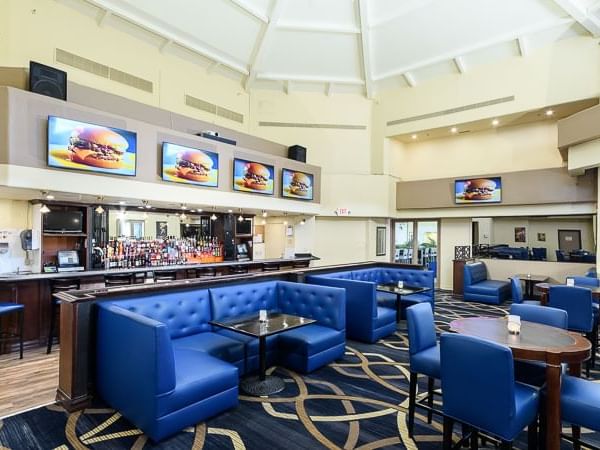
44	209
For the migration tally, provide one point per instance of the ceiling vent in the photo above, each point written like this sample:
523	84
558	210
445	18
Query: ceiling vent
101	70
211	108
458	109
331	126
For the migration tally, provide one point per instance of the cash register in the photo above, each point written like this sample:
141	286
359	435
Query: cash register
68	261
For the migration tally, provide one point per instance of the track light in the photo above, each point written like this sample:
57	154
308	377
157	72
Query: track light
182	216
184	206
213	217
44	209
47	195
240	217
549	113
264	213
303	222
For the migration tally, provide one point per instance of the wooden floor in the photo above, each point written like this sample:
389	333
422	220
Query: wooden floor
29	382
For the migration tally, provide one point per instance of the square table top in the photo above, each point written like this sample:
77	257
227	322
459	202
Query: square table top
393	288
251	326
532	277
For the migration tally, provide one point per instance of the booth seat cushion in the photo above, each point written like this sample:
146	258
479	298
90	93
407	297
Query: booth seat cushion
385	316
214	344
197	376
183	312
489	287
243	299
417	298
310	339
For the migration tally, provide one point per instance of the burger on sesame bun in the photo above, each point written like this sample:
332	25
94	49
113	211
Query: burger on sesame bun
97	146
194	165
256	177
300	184
479	189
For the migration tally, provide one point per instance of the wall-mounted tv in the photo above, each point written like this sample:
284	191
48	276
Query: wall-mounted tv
296	184
63	222
188	165
478	190
251	176
89	147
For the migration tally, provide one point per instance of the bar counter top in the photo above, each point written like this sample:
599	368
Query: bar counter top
30	276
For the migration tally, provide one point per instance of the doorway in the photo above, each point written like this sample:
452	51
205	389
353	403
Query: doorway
416	242
569	240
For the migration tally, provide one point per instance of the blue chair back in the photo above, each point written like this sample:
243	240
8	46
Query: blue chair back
585	281
577	302
560	255
474	273
516	289
591	273
478	382
421	327
539	253
545	315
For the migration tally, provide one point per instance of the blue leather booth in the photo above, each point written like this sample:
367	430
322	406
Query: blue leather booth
478	288
506	252
366	319
164	367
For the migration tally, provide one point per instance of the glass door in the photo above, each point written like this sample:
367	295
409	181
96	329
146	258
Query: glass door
403	242
427	244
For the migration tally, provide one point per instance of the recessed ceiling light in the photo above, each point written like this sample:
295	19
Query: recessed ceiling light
192	210
454	130
414	136
183	206
122	202
230	211
148	206
495	122
199	210
549	112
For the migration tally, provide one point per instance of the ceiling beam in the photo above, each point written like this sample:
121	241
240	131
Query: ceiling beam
481	45
304	27
459	62
259	45
365	47
523	45
410	79
194	46
578	12
308	79
249	9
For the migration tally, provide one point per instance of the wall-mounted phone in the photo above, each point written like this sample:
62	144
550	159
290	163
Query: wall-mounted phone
26	240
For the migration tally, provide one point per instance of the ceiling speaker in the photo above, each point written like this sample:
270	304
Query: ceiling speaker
47	81
297	152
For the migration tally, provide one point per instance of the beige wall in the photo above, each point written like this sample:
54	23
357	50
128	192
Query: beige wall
502	269
453	232
15	216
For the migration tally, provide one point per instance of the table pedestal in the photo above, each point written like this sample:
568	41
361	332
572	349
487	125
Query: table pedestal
262	384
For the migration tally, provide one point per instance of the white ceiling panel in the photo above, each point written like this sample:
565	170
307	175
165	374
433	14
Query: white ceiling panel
319	13
491	54
312	55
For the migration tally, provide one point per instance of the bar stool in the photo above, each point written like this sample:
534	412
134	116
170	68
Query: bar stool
165	275
206	272
138	277
118	279
238	269
301	264
191	273
58	285
11	308
271	266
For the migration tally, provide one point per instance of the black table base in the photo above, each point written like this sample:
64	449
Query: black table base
256	387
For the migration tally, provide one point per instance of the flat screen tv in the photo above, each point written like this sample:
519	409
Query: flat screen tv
251	176
296	184
478	190
188	165
91	148
63	222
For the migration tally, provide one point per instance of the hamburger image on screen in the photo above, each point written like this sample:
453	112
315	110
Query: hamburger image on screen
194	165
479	189
256	177
97	146
300	184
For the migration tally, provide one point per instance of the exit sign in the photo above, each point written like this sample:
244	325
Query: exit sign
342	212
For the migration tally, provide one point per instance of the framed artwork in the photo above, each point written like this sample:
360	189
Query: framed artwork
380	245
162	229
520	234
541	237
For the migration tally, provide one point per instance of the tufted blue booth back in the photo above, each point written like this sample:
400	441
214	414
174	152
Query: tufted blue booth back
243	299
327	305
184	312
339	275
411	277
475	273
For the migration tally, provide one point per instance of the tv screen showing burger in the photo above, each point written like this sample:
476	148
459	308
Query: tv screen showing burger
188	165
250	176
296	184
478	190
93	148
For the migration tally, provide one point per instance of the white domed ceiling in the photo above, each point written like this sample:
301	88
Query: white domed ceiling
355	45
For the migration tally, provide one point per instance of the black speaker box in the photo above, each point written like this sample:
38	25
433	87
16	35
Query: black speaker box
297	152
47	80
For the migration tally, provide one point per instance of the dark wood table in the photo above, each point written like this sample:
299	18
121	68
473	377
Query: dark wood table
536	342
530	281
544	288
250	325
392	288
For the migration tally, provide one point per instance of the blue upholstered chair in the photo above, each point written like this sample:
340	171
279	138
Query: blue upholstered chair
578	303
480	391
580	405
539	253
424	354
517	292
477	286
585	281
561	256
13	308
591	273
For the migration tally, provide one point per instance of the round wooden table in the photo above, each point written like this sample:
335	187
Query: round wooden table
544	288
536	342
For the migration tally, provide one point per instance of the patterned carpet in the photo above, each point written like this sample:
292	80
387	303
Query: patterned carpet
358	402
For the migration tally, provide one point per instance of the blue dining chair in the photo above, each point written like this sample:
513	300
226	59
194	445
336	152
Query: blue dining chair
13	308
517	292
580	406
585	281
480	391
577	302
424	357
534	372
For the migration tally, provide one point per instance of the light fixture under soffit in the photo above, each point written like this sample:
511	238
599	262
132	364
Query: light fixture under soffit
303	222
99	209
213	217
264	213
44	209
